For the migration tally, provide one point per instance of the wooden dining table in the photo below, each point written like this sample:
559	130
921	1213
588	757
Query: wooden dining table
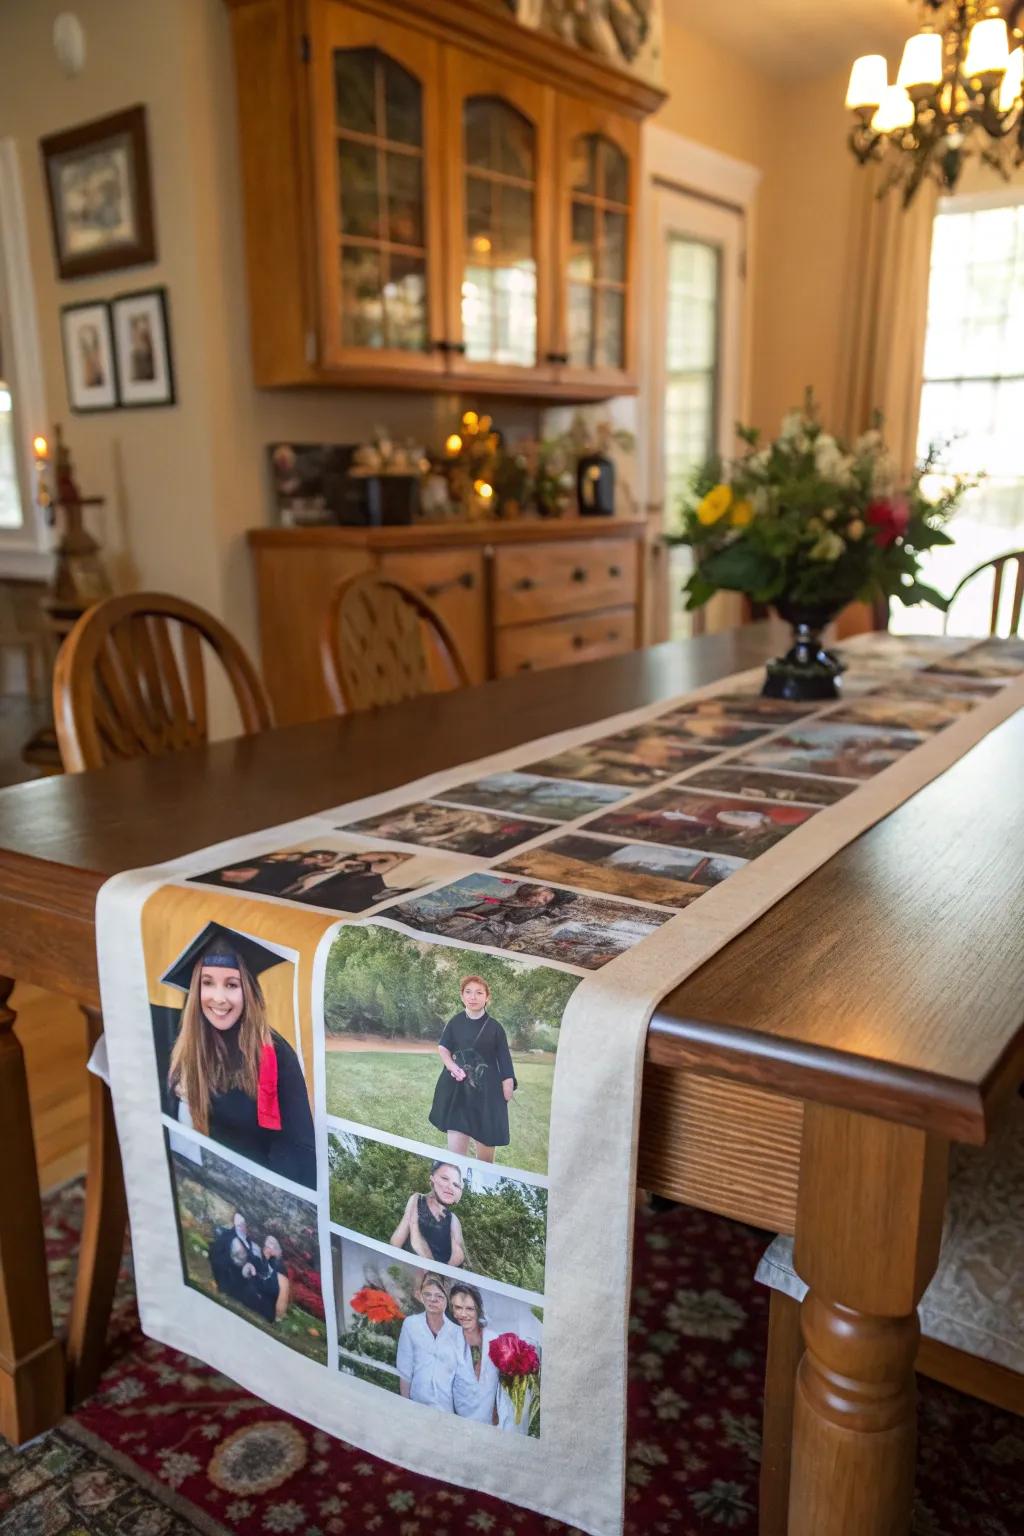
809	1079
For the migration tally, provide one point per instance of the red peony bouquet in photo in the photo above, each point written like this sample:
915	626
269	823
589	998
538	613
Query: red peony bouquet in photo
518	1364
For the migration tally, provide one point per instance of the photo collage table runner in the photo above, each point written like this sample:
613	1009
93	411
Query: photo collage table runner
376	1073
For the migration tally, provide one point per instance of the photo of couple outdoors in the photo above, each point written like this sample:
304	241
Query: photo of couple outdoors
248	1245
442	1045
446	1343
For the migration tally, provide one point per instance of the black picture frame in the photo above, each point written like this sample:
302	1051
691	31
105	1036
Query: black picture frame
157	388
97	174
80	354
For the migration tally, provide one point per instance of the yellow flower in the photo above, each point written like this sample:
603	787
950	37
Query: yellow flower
855	529
742	514
715	504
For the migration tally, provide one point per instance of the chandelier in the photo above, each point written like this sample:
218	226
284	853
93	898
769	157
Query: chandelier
958	92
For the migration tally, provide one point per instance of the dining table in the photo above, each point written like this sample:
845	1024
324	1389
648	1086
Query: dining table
809	1079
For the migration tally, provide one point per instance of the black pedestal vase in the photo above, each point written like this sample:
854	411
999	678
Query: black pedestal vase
807	671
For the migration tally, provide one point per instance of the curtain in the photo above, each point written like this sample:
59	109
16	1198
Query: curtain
882	358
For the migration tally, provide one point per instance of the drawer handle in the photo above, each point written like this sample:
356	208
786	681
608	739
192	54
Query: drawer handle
526	666
525	584
580	573
558	357
615	570
613	634
578	642
467	580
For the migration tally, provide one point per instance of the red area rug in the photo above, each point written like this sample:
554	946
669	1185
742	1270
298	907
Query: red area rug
167	1446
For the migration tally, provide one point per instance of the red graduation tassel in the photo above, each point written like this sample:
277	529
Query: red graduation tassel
268	1110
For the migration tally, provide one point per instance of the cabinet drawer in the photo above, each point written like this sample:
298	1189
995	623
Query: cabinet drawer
453	581
547	580
531	647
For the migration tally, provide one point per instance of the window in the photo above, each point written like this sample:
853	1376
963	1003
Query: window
499	279
973	399
691	366
24	538
599	222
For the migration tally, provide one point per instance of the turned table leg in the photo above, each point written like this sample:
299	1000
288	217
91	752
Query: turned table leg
102	1244
869	1225
31	1359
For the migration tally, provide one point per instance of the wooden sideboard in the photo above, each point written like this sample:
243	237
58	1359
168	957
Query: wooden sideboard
516	596
436	198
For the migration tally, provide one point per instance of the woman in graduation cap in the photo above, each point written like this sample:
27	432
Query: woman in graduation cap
231	1076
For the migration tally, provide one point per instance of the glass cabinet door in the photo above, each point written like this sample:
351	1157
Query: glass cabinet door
499	146
597	213
378	236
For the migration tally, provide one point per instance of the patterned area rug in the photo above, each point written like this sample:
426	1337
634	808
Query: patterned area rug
167	1446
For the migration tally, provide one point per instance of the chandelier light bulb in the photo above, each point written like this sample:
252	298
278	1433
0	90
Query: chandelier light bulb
895	111
922	60
869	80
1013	81
988	48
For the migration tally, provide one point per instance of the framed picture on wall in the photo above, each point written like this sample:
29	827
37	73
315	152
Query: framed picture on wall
89	363
97	177
142	343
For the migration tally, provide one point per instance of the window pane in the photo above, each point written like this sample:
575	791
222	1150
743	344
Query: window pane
692	304
405	303
10	494
354	89
581	325
499	285
611	346
499	314
360	206
581	251
498	138
616	172
405	199
972	401
691	365
362	305
403	109
613	250
583	166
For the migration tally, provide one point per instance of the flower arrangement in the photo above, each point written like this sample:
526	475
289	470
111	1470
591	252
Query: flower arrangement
518	1364
810	522
376	1306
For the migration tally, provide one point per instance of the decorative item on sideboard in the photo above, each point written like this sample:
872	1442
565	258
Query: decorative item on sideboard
809	524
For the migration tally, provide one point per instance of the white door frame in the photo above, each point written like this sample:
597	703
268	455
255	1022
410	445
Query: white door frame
24	551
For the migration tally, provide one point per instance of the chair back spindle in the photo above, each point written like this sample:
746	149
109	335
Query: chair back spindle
1010	566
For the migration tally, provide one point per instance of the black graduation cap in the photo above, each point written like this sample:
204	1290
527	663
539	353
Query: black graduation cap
228	946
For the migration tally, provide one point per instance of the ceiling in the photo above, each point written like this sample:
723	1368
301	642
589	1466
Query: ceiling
798	39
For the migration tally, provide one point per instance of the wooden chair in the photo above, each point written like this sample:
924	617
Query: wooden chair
999	567
130	681
971	1315
382	642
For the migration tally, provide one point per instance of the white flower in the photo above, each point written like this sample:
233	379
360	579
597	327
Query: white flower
828	548
883	474
868	442
831	462
761	501
759	461
794	424
829	515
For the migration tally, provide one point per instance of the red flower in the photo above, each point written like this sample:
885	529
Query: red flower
378	1306
514	1356
890	518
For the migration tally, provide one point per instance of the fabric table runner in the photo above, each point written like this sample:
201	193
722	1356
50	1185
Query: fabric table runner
376	1072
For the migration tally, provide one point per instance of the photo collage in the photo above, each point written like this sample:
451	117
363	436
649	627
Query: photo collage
403	1241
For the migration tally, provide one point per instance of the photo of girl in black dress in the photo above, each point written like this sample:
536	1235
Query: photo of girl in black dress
477	1080
230	1075
429	1226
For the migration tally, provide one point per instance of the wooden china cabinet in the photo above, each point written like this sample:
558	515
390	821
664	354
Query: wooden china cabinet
436	198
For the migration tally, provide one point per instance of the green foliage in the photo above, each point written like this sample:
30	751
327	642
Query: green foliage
380	982
393	1090
811	520
503	1225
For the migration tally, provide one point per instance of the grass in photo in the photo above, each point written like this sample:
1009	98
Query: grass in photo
532	795
446	826
454	1345
524	917
645	754
248	1245
643	871
736	778
846	751
711	823
390	1000
464	1214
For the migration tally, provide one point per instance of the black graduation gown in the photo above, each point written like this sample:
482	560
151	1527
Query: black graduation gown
274	875
291	1151
478	1112
352	892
